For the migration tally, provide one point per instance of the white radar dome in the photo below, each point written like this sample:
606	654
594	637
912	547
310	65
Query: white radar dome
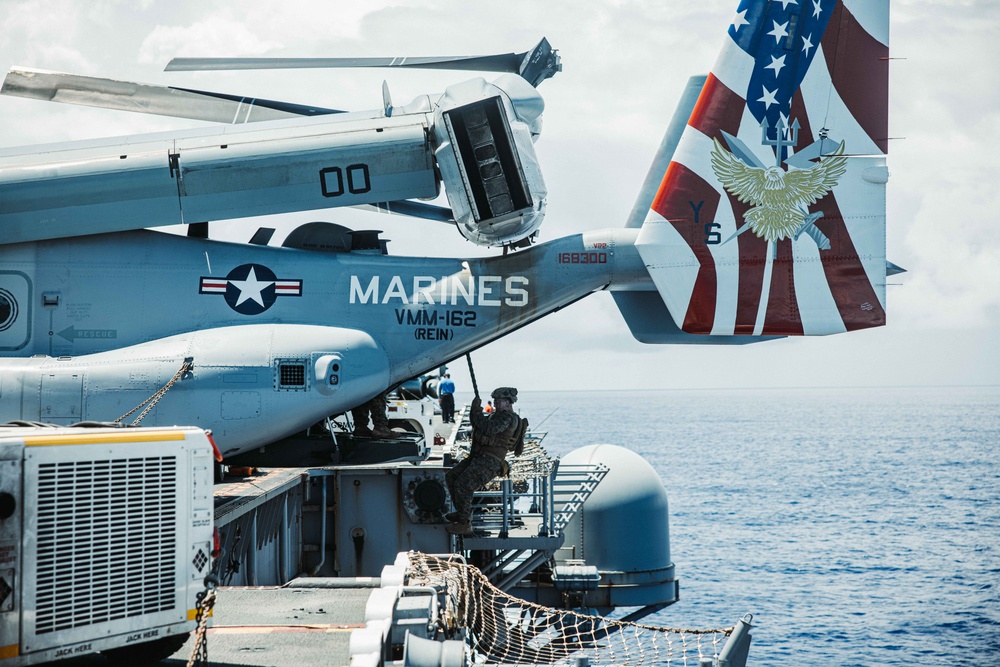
623	528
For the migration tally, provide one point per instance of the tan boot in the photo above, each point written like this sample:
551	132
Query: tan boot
383	433
460	528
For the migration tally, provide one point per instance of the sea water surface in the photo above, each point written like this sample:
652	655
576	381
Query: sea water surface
858	526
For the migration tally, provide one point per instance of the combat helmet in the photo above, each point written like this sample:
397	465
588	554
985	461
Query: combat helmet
510	393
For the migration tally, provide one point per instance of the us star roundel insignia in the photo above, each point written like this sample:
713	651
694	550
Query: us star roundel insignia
250	289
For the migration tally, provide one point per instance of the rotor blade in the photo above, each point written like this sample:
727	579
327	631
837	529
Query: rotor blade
541	63
535	65
151	99
507	62
413	209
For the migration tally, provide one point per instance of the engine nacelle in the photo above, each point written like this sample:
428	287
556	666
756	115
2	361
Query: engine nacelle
484	134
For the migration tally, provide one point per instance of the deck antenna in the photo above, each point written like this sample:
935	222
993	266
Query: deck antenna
547	417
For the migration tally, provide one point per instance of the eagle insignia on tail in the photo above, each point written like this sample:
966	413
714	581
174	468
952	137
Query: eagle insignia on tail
780	198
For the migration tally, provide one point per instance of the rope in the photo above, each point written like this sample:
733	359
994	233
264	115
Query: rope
533	463
151	402
472	374
504	629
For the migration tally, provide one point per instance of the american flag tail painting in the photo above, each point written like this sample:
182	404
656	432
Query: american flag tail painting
770	217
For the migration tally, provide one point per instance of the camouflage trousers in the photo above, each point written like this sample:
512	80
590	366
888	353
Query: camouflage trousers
374	407
470	475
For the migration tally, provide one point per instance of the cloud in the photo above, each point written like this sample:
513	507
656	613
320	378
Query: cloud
298	28
217	35
942	198
625	64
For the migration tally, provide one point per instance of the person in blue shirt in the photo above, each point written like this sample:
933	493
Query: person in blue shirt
446	389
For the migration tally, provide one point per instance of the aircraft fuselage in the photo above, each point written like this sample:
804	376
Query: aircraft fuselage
278	338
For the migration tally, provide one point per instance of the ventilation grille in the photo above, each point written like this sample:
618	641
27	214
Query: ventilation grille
293	375
106	541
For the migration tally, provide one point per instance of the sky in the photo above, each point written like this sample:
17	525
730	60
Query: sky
624	66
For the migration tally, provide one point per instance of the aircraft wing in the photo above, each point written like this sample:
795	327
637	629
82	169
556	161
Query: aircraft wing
215	173
476	139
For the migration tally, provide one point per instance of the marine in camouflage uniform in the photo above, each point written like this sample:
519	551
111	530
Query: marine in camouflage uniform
492	436
376	408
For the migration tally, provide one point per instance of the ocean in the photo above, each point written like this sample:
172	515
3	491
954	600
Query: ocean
859	526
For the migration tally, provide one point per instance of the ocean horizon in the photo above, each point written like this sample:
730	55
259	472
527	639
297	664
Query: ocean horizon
859	525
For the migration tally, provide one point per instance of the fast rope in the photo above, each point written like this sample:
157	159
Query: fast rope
206	601
151	402
472	374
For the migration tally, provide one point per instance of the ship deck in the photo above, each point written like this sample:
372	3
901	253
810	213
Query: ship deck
290	625
308	621
305	622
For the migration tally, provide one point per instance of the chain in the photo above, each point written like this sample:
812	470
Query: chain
233	566
151	402
206	601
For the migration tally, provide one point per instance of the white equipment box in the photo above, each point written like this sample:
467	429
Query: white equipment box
105	540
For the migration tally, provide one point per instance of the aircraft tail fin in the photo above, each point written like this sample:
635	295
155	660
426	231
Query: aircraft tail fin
666	151
769	218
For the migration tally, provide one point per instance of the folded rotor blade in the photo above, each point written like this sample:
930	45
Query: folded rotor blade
541	63
413	209
508	62
151	99
535	66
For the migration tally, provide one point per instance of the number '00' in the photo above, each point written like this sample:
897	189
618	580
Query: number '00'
332	179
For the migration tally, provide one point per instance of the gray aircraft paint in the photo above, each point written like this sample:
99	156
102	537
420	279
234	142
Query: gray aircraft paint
148	288
270	167
279	338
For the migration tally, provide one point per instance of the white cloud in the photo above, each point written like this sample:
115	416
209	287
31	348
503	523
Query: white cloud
217	35
944	170
625	64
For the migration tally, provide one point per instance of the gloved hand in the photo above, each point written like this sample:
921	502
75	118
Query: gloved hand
477	403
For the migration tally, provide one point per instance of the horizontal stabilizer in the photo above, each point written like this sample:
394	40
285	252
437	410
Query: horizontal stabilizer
649	321
150	99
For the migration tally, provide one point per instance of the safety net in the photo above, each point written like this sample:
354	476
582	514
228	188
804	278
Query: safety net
502	629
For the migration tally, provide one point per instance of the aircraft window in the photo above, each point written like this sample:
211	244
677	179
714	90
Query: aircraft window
293	375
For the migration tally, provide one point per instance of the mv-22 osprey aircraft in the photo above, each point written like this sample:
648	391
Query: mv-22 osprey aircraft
762	216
